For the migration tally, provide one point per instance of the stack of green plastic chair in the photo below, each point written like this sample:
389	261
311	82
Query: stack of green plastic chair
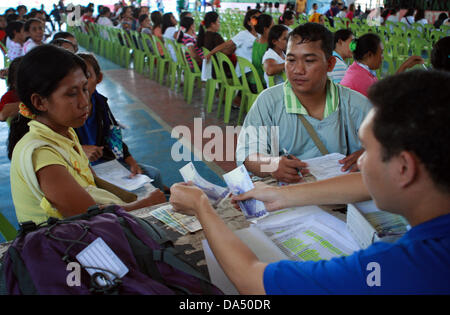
248	97
213	83
163	60
7	230
232	85
190	75
150	52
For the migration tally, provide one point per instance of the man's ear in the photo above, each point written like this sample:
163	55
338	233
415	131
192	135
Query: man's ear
100	78
407	168
331	63
39	102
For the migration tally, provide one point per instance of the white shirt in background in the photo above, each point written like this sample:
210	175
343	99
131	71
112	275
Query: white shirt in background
271	54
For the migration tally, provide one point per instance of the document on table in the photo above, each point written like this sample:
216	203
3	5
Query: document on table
181	223
117	174
239	182
326	166
214	192
310	241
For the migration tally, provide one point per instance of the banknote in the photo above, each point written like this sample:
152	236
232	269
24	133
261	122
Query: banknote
214	192
238	182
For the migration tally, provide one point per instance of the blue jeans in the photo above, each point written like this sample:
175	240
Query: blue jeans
151	172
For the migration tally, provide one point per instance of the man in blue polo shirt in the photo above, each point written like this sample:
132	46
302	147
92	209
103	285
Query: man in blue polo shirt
405	170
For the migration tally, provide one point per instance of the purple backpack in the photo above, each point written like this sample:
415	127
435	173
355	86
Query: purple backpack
37	261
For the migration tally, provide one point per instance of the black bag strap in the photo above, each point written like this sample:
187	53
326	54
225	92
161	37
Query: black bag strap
26	284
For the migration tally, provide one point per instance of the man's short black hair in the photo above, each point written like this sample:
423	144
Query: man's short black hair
312	32
412	114
63	34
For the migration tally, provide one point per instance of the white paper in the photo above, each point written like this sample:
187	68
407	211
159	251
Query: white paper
214	192
206	70
117	174
326	166
99	255
239	182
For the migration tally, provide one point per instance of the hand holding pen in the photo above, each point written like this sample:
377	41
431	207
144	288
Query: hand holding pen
290	169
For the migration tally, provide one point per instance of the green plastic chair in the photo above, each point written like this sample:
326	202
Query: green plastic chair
272	79
190	75
150	53
7	230
213	83
175	67
162	60
248	97
138	51
232	85
6	60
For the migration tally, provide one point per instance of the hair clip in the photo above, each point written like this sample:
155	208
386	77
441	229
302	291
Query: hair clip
352	45
254	21
203	23
183	29
25	111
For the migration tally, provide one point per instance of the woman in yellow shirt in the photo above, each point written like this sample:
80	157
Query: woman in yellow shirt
50	174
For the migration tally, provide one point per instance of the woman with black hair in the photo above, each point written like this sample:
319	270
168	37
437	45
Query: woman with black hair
242	43
368	55
420	17
186	35
168	26
287	19
50	173
342	40
265	23
208	32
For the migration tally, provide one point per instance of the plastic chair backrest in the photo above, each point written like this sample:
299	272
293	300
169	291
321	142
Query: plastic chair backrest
187	53
7	229
146	40
244	63
157	42
221	59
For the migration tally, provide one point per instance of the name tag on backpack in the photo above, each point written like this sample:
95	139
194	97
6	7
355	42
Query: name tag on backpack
98	257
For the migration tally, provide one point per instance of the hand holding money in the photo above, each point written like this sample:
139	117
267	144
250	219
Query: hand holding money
186	198
270	195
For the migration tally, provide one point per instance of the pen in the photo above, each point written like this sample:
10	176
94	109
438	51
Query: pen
289	156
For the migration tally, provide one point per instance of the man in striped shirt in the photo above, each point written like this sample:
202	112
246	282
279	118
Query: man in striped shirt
342	40
276	121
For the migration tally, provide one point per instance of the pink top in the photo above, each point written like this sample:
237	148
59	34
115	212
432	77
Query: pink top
359	79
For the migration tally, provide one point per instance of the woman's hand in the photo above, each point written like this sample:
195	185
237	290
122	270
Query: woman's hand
93	152
154	198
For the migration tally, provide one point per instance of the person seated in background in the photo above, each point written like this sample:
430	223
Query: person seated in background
265	23
63	43
168	28
401	175
186	36
408	19
35	28
420	17
368	56
50	173
439	58
275	56
317	18
308	97
287	19
68	36
342	40
16	34
100	136
9	103
145	25
242	43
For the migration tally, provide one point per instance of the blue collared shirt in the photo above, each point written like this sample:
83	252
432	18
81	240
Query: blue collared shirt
418	263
